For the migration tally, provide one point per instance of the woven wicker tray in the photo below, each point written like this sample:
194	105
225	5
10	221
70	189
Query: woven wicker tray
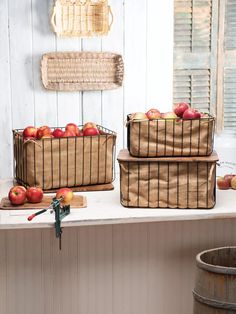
81	18
77	71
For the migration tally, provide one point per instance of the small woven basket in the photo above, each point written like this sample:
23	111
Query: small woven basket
78	71
81	18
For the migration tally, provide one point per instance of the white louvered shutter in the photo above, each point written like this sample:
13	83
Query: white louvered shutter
195	43
229	87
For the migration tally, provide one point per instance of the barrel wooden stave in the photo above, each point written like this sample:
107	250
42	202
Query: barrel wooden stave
215	288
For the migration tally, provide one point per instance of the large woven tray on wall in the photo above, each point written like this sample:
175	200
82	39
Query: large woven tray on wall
52	163
170	137
78	71
81	18
170	182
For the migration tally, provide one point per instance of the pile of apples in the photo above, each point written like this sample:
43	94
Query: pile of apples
18	195
180	111
71	129
227	182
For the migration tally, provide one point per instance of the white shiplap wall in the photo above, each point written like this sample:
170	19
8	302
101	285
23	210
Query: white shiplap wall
120	269
142	33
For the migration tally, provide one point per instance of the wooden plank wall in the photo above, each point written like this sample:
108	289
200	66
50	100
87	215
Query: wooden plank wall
128	269
25	34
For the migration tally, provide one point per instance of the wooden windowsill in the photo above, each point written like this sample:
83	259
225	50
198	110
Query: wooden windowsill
104	208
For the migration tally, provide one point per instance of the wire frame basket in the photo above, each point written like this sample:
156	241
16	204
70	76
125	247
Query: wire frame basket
169	182
170	137
81	18
78	71
52	163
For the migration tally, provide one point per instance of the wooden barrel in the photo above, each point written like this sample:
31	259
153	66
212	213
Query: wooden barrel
215	287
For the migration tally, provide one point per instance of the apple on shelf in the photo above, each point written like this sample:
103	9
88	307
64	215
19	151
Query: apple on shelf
34	194
227	182
66	195
222	183
233	183
17	195
229	177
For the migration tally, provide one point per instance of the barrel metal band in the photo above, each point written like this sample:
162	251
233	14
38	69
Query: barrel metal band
214	303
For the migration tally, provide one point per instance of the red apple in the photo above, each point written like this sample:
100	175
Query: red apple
58	133
89	125
223	184
34	195
17	195
91	132
42	131
233	183
229	177
180	108
30	132
169	115
66	194
191	114
73	128
153	114
69	134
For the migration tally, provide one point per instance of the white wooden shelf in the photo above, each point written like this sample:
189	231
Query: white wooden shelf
104	208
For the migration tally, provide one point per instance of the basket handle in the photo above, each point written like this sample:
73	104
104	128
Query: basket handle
112	18
53	21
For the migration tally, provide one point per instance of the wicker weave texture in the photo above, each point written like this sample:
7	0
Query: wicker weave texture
74	18
77	71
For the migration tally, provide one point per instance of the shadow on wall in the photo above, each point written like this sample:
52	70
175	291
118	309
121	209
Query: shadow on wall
43	10
35	81
225	146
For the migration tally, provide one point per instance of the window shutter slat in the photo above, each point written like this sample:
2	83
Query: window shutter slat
192	25
193	86
230	99
194	62
229	67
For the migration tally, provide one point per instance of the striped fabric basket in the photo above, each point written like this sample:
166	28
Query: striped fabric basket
81	18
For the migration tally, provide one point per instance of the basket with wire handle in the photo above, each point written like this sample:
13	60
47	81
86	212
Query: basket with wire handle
168	182
81	18
52	163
